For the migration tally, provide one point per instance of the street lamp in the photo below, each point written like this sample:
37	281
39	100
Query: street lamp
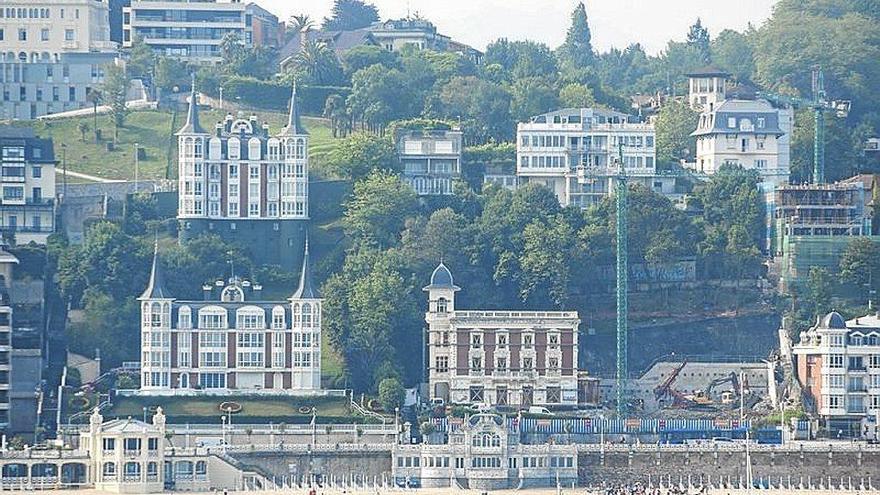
64	169
221	97
136	166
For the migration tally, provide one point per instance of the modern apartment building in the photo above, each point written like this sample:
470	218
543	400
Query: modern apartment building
52	55
232	341
430	159
264	26
574	152
191	30
7	263
747	132
516	358
242	182
838	366
395	34
27	186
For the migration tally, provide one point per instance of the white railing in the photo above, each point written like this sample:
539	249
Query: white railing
809	447
516	314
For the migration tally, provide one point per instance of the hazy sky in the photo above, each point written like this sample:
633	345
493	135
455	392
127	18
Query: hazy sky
613	22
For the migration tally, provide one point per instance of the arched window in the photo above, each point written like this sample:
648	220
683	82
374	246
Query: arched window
289	147
152	469
155	315
183	468
188	147
300	148
132	471
250	318
232	293
109	469
184	380
233	148
145	314
201	468
254	151
184	317
442	305
295	315
306	315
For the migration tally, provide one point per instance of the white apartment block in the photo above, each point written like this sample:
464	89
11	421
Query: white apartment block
506	358
27	186
190	30
233	341
749	133
52	55
838	366
431	160
574	152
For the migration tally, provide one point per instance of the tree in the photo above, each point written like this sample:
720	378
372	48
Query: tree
95	97
391	394
334	109
83	128
114	89
348	15
576	95
482	106
819	290
377	209
577	50
860	266
520	59
363	56
171	72
301	23
531	97
317	64
380	95
676	122
732	51
141	59
360	154
698	37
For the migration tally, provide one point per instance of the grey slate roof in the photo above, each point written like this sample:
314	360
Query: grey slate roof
307	288
156	287
833	320
441	279
739	110
294	126
192	125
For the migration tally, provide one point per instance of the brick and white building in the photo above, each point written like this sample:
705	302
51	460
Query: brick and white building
242	183
27	186
574	152
233	341
516	358
838	366
430	159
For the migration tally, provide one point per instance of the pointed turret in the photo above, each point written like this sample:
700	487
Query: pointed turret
192	125
307	288
156	288
294	126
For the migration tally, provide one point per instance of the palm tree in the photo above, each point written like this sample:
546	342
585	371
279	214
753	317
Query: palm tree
83	128
317	60
301	23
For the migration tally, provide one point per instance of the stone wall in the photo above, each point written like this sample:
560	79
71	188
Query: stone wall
279	464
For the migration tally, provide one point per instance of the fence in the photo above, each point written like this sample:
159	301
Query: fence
601	425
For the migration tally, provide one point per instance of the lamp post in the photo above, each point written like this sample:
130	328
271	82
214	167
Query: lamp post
221	97
397	425
136	166
64	169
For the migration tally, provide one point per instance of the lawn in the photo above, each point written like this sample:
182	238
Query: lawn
254	409
154	131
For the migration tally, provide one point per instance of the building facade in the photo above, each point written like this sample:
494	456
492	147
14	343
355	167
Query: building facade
243	183
484	454
838	366
264	27
52	55
431	160
506	358
746	132
574	152
233	341
190	30
7	264
27	186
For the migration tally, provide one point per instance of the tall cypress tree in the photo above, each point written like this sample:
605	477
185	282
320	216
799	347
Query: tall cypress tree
577	51
698	37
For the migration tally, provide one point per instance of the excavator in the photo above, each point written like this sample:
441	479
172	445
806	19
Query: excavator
702	399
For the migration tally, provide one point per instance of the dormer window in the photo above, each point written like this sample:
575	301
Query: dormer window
442	305
476	340
232	294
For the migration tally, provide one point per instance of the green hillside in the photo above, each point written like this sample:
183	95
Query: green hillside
153	130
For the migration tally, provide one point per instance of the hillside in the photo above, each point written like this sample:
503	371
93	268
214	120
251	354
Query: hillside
153	130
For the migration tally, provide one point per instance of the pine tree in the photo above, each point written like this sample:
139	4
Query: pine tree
698	37
577	51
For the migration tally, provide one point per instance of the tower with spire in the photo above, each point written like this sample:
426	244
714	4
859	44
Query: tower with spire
156	303
245	184
306	308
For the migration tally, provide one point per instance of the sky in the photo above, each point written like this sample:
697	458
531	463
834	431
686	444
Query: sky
614	23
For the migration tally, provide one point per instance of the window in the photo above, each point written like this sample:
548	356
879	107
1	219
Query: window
212	380
476	340
250	321
527	341
553	340
760	164
553	395
553	364
212	318
212	339
476	394
109	470
835	361
441	364
109	444
22	34
501	364
761	122
44	34
278	350
476	364
502	340
528	364
153	444
442	305
278	322
251	348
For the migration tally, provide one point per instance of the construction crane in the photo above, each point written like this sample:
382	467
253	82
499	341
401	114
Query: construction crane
820	104
622	281
664	388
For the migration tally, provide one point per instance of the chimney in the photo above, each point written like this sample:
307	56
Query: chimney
258	291
206	292
218	129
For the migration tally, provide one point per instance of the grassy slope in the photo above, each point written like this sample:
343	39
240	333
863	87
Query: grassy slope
278	409
153	130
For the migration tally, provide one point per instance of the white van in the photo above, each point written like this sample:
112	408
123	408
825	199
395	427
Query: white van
540	410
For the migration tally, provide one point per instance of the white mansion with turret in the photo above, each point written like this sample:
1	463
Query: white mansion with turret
232	341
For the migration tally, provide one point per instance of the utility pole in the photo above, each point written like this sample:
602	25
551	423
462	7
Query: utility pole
64	170
136	166
622	281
